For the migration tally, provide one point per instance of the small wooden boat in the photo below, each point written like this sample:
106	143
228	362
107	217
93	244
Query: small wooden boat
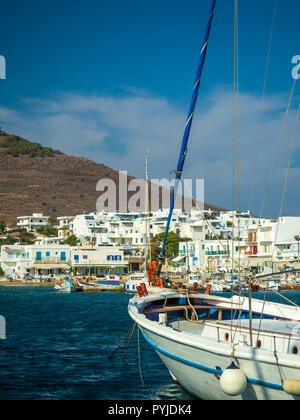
67	286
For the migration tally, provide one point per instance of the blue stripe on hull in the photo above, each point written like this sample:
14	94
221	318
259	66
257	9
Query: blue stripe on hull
215	371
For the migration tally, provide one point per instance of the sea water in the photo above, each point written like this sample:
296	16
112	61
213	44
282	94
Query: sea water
58	346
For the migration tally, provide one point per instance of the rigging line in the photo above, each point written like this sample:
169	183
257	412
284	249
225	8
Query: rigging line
237	107
283	297
262	105
262	110
287	177
235	129
283	198
277	149
238	125
207	220
282	202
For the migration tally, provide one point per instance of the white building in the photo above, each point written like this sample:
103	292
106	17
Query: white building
264	235
65	226
33	223
98	261
17	261
36	260
13	260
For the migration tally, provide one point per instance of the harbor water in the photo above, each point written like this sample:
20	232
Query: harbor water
58	347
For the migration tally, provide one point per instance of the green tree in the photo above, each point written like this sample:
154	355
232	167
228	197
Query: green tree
72	241
48	231
172	245
2	225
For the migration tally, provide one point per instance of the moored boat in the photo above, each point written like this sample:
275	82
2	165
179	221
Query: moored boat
216	347
110	282
67	286
134	281
199	336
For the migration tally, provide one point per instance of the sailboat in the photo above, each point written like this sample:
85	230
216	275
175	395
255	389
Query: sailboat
136	279
236	348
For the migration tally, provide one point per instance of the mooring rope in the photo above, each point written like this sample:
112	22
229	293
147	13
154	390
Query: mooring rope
113	353
125	352
139	357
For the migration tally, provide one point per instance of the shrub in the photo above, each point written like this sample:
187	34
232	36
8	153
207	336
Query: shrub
16	146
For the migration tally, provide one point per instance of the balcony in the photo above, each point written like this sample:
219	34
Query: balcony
217	253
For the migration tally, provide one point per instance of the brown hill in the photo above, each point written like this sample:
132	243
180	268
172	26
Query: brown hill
37	179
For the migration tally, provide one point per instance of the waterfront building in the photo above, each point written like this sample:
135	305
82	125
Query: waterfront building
35	260
264	235
13	260
33	223
98	261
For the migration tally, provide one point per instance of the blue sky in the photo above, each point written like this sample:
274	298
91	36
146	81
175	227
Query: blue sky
106	80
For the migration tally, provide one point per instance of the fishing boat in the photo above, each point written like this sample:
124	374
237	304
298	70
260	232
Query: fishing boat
194	278
236	348
110	282
134	281
217	348
66	286
271	285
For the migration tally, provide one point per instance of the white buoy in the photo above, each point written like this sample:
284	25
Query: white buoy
233	381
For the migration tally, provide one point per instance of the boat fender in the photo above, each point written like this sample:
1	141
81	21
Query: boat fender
233	381
140	291
195	287
144	289
208	289
292	387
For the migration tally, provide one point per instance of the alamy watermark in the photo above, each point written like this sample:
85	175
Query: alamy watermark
2	67
296	69
2	328
129	196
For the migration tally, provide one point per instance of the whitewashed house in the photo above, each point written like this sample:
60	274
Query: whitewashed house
14	261
33	223
35	260
98	261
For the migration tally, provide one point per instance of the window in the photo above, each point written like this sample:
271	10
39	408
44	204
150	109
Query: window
48	254
63	256
76	258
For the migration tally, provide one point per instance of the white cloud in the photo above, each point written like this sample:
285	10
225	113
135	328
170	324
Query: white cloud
117	131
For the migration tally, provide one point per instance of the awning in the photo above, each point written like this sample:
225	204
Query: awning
52	266
293	266
179	258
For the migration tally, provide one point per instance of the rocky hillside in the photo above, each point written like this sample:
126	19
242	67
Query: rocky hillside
39	179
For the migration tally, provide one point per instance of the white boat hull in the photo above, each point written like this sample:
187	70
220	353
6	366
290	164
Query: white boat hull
66	289
198	371
197	361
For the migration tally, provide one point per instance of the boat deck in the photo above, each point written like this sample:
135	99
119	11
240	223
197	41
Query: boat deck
188	326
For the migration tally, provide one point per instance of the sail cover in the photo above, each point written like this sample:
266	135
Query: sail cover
188	125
